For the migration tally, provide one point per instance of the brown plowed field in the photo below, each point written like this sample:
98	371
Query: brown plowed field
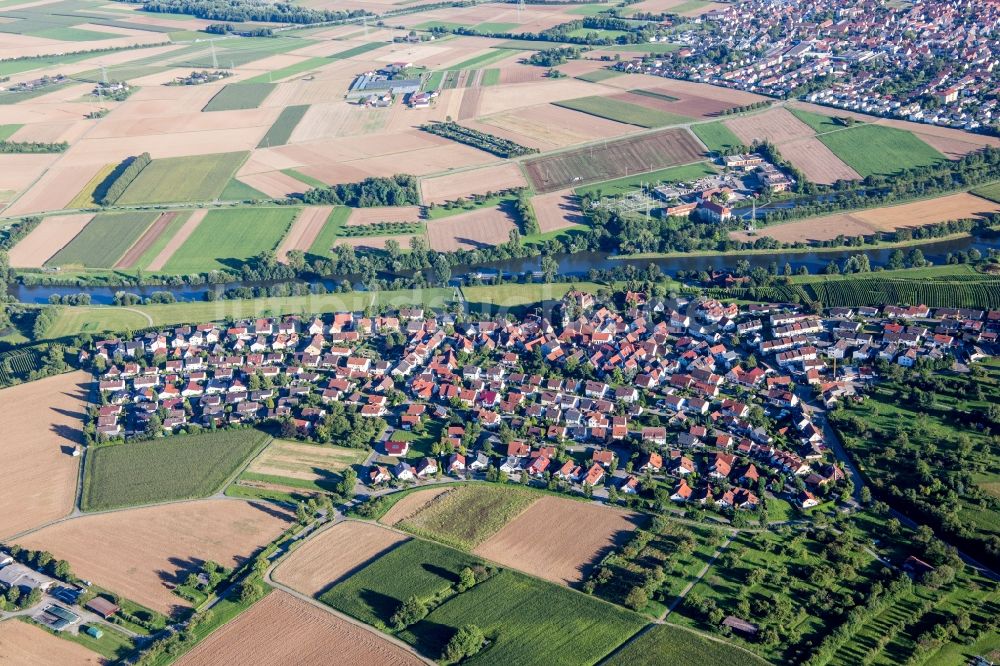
470	103
410	504
469	231
817	162
688	106
477	181
274	183
142	553
774	125
22	644
146	240
557	210
521	74
305	230
613	159
559	539
50	236
680	89
867	222
42	423
335	554
179	238
280	629
547	127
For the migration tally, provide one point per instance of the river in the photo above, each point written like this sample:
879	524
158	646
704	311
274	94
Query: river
576	265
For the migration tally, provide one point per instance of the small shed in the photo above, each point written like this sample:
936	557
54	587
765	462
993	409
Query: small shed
740	626
102	607
93	631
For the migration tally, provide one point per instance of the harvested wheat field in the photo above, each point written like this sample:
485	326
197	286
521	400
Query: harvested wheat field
775	125
559	539
57	186
558	210
682	89
410	505
50	236
179	238
274	183
304	231
334	554
470	231
497	99
280	629
364	216
18	171
478	181
816	161
146	240
41	423
549	127
311	462
142	553
22	643
867	222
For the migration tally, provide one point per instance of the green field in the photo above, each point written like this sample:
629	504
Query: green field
75	320
668	644
306	65
180	467
599	32
716	136
282	129
618	186
599	75
991	192
161	241
491	77
104	240
430	25
433	81
528	621
357	50
237	190
182	179
588	10
112	645
623	112
304	178
482	60
495	28
468	515
513	294
328	235
239	96
73	35
817	121
237	52
661	47
7	131
415	568
876	149
228	236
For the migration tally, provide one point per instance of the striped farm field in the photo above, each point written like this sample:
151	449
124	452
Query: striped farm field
146	244
85	198
181	179
103	242
237	96
327	236
226	237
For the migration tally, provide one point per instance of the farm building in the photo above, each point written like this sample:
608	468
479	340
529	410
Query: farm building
25	578
58	617
371	84
102	607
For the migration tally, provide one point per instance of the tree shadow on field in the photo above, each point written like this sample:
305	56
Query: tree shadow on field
618	539
68	433
475	244
185	567
382	605
440	572
69	412
271	511
430	637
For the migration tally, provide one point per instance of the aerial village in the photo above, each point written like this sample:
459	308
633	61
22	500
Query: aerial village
924	62
716	405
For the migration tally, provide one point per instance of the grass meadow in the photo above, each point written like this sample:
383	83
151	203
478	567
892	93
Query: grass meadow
468	515
879	150
716	136
282	129
623	112
183	179
237	96
104	240
668	644
231	234
138	473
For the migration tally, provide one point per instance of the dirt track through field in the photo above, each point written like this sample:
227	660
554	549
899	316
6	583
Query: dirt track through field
146	240
335	554
304	231
281	629
174	243
559	539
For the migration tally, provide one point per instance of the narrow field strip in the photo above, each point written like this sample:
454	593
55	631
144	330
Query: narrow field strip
304	231
131	257
179	239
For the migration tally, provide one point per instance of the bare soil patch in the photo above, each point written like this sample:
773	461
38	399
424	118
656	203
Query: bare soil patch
365	216
281	629
559	539
410	505
274	183
22	643
17	172
296	460
57	186
142	553
558	210
773	125
477	181
335	554
50	236
816	161
470	103
547	127
681	89
304	231
867	222
146	240
179	238
481	228
42	423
